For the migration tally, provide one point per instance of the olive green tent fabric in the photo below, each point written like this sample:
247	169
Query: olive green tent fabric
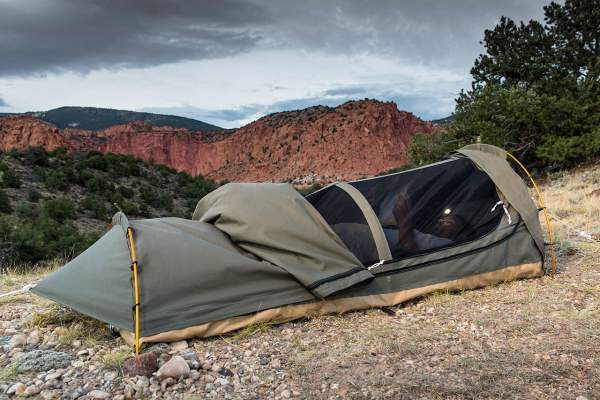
97	282
191	273
278	225
492	160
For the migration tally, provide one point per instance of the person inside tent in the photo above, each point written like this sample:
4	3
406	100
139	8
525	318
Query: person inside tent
409	240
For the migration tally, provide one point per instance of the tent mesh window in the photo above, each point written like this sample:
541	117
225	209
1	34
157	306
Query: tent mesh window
433	207
347	220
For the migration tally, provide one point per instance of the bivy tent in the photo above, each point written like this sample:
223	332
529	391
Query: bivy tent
256	252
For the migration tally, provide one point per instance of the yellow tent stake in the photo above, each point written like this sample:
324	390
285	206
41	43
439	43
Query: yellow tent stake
543	206
134	265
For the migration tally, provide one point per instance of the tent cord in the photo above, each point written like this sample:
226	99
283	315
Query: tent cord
134	266
544	209
24	289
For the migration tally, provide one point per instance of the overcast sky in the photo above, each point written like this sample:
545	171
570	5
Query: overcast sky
228	62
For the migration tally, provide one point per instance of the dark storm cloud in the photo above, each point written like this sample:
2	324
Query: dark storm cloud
39	36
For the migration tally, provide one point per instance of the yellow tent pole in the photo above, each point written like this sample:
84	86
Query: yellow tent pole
134	265
543	205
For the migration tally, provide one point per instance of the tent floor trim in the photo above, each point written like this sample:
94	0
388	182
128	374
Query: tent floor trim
338	305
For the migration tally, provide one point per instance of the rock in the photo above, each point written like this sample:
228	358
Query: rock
34	338
82	353
222	381
286	394
225	372
17	389
98	394
44	360
18	340
32	390
174	368
53	375
128	392
144	365
166	382
110	376
179	346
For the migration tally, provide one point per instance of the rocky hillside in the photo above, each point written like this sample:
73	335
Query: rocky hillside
317	144
56	204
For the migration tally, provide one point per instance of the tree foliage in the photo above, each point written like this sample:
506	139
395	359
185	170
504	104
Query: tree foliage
535	90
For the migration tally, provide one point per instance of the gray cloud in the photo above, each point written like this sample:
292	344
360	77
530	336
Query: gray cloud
3	103
38	36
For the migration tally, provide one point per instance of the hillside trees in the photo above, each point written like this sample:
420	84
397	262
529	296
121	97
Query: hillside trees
536	89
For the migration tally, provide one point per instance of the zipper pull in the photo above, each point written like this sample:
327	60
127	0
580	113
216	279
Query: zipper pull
375	265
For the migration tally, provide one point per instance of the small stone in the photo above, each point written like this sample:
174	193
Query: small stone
286	394
206	365
263	360
98	394
17	341
76	343
82	353
222	381
144	365
174	368
179	346
34	338
110	376
165	383
18	388
32	390
276	363
142	382
53	375
128	392
225	372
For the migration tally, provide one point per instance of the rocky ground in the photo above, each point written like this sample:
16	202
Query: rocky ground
535	338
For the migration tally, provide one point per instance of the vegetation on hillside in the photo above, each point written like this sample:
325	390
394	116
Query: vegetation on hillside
92	118
55	204
535	91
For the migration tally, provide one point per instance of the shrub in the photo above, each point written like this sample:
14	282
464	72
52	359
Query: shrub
129	207
33	195
59	209
8	177
57	180
26	210
5	206
96	207
126	192
37	156
41	239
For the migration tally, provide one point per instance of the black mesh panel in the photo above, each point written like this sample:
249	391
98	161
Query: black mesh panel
437	206
347	220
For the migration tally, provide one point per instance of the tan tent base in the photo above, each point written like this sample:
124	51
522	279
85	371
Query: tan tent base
292	312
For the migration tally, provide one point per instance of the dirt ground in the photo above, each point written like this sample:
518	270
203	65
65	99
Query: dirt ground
537	338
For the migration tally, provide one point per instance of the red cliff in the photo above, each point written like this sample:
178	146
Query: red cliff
356	139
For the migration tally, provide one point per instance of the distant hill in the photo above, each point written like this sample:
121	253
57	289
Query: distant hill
94	119
443	121
317	144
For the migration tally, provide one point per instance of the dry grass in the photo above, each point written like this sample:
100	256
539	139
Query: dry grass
77	326
114	360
